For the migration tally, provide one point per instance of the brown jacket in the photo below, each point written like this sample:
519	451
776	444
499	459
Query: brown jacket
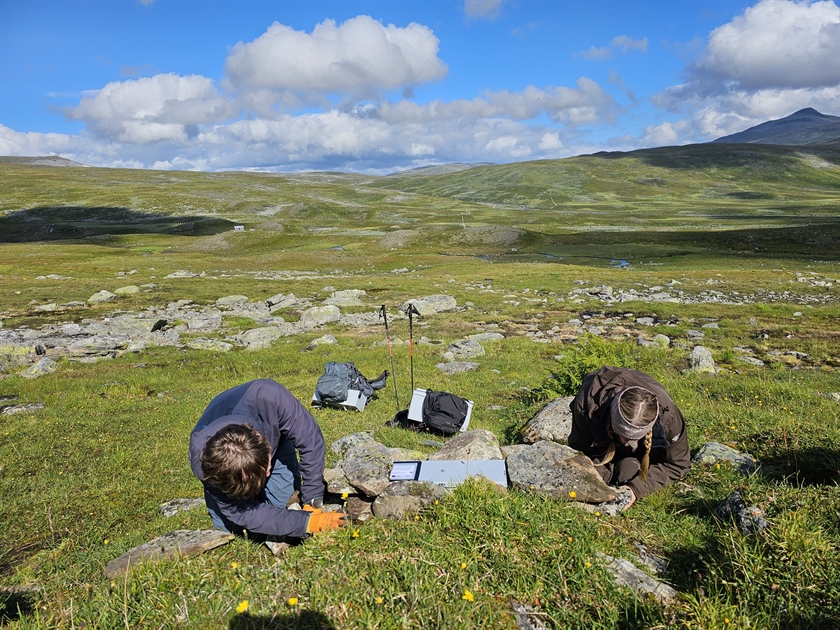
670	456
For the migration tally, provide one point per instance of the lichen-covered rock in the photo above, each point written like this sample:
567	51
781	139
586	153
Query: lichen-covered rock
486	336
368	467
405	498
43	367
431	304
258	338
465	349
320	315
359	509
478	444
343	444
336	482
231	300
209	344
625	573
347	297
700	360
454	367
715	453
101	296
553	422
555	470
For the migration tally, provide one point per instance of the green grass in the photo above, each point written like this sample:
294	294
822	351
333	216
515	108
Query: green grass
110	444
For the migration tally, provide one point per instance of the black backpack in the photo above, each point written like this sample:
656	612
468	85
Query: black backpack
444	412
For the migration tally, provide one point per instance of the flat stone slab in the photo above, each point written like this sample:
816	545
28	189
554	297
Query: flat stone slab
182	542
627	574
457	366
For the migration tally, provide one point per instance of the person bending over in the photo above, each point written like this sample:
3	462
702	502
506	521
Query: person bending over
244	449
631	429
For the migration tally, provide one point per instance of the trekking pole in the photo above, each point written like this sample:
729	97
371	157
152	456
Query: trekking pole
411	311
384	315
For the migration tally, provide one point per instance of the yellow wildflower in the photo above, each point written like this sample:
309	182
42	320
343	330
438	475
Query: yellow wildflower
292	601
572	494
355	533
344	495
105	542
468	596
587	564
379	600
234	565
570	539
463	565
243	606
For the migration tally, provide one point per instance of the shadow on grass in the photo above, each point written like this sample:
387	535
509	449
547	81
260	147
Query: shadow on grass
814	466
303	620
14	606
59	223
726	155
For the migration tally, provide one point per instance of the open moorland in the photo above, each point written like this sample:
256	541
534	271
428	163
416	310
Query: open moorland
577	263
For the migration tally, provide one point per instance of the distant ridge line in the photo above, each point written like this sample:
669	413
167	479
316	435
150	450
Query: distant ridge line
802	128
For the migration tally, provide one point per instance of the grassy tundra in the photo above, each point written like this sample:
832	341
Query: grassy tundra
82	478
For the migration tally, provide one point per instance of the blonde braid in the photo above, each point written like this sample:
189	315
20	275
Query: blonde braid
608	456
643	471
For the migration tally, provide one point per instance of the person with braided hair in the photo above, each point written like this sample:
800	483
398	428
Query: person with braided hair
631	429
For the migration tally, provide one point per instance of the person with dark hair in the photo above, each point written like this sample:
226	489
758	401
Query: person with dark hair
245	448
631	429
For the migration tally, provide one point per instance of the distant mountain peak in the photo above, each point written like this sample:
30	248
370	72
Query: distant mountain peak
805	127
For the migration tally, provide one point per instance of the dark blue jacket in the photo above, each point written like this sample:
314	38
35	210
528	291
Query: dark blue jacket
277	415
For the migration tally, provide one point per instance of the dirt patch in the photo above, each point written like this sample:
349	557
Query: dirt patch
215	243
399	238
487	235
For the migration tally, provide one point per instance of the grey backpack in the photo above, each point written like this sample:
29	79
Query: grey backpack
337	378
334	382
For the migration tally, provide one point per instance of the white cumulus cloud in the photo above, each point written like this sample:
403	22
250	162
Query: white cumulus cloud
158	108
360	57
777	44
585	103
779	56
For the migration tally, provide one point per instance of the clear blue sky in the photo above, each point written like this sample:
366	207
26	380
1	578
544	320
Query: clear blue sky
380	86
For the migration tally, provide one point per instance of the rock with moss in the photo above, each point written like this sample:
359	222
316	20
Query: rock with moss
401	499
368	467
715	453
101	296
320	315
431	304
553	422
557	471
700	360
478	444
44	366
